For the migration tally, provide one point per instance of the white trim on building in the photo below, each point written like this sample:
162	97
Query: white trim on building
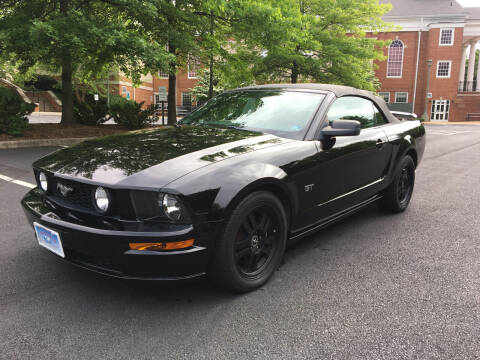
385	95
401	95
444	35
446	71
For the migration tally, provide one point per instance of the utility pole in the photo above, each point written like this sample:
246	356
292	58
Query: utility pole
429	67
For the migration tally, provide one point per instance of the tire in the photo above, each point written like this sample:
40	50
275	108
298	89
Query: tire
397	196
252	244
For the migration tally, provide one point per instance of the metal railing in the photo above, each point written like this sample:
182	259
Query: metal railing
473	116
466	86
162	113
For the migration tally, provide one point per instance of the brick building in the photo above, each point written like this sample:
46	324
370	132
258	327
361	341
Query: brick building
148	90
427	59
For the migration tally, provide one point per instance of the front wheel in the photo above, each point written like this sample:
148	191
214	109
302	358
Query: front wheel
252	245
398	194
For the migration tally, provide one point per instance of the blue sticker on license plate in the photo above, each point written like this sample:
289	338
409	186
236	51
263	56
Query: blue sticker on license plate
49	239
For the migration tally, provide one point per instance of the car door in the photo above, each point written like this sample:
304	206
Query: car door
351	168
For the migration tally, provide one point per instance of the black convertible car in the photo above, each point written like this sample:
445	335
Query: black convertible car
224	191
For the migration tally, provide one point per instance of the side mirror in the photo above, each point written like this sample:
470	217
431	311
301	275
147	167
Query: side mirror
342	128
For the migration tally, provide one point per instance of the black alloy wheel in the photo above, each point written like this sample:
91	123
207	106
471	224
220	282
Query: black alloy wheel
256	241
252	245
405	185
398	195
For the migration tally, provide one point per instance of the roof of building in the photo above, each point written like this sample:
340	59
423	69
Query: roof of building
430	8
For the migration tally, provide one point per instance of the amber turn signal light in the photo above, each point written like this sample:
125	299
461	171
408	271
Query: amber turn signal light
162	246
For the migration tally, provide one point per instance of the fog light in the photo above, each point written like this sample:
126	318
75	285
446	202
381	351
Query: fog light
158	246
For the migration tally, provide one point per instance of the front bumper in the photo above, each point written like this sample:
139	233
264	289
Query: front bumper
107	251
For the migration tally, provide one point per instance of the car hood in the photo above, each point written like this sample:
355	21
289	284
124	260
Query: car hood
152	158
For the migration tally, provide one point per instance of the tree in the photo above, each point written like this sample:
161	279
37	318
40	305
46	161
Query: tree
325	41
80	37
213	33
206	87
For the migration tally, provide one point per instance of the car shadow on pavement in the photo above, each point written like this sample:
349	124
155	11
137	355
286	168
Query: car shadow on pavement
71	281
187	291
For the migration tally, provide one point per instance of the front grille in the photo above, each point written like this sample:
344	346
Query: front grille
80	197
77	194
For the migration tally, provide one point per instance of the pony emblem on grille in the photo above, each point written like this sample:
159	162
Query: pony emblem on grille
64	189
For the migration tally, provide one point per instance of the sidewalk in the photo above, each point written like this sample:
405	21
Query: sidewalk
54	118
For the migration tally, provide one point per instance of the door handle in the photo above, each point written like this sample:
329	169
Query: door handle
379	143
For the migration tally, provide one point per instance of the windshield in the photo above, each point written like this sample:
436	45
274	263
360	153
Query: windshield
279	112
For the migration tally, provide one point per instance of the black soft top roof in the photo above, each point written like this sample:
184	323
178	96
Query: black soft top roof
337	90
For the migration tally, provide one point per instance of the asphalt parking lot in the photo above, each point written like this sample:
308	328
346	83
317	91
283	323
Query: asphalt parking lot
374	286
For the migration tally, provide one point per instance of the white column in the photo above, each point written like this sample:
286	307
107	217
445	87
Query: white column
461	78
478	76
471	67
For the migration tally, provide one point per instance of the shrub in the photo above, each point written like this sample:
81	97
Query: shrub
13	112
41	82
130	114
90	112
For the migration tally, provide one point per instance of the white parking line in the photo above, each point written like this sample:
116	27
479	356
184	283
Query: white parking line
18	182
447	133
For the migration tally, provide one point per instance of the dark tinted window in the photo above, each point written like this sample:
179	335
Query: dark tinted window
353	108
279	112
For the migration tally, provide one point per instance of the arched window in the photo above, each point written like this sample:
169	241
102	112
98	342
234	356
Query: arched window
395	59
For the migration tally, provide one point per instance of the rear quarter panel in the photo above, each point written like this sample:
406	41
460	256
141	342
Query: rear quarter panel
405	136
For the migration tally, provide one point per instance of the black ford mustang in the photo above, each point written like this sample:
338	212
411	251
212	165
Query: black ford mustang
224	191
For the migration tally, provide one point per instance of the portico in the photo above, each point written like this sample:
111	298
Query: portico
471	36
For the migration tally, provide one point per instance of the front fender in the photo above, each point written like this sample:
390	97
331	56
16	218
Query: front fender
214	203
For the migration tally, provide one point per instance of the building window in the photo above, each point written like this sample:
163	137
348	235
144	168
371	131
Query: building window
443	68
401	97
440	109
193	66
446	37
162	75
186	99
385	96
124	90
395	59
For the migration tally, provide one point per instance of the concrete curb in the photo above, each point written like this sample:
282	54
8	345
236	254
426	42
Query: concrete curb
453	123
15	144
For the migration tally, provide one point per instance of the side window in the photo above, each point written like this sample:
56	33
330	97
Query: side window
379	117
353	108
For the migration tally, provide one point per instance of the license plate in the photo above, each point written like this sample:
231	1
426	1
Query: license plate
49	239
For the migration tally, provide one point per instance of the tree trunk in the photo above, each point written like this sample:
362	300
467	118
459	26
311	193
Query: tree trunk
294	75
172	89
67	91
67	86
210	83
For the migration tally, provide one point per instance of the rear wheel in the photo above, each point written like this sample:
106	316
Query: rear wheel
252	245
398	194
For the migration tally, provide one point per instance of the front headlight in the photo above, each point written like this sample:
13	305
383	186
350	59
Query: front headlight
172	207
42	179
102	200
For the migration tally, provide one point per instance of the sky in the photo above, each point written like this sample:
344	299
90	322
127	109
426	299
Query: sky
469	3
